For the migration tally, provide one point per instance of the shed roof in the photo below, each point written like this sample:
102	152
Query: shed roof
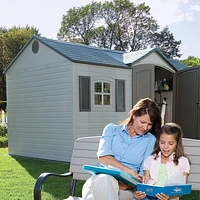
99	56
84	53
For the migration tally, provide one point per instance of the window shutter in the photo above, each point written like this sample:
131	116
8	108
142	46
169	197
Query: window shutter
120	95
84	93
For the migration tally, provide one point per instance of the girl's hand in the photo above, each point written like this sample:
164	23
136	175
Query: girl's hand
145	180
162	196
139	195
146	176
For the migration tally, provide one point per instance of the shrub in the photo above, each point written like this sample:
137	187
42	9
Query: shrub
3	142
3	136
3	131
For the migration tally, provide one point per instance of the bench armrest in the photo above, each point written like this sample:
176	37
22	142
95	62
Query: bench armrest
40	180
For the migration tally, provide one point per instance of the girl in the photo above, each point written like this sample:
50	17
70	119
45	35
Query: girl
166	160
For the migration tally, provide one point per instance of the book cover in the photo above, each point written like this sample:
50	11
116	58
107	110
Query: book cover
170	190
174	186
117	173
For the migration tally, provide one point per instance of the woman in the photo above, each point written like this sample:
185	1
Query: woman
124	146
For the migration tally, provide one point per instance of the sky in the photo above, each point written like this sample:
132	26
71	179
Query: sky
181	16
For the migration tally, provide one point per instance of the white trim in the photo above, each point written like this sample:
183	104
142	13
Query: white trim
112	92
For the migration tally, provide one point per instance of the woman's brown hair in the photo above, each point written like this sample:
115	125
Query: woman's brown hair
143	107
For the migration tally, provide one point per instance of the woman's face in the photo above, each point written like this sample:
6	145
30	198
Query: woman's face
142	124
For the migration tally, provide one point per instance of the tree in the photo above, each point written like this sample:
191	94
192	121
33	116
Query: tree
191	61
166	42
78	25
11	42
130	26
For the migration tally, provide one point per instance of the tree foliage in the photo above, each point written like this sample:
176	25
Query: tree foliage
79	23
191	61
166	42
117	24
130	27
11	42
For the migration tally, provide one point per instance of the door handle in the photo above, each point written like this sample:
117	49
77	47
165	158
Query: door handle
198	103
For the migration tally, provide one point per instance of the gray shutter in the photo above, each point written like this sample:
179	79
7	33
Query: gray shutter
120	95
84	93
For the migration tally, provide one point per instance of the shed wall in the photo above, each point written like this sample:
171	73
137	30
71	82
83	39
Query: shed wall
40	106
92	123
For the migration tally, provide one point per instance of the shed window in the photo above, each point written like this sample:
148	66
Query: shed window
35	46
102	93
84	93
120	95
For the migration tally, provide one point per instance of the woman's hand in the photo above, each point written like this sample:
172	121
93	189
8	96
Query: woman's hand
139	195
162	196
136	175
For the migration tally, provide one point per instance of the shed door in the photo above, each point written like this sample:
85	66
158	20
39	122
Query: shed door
143	82
187	101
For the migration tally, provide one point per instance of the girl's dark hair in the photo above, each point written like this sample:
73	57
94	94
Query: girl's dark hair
171	129
143	107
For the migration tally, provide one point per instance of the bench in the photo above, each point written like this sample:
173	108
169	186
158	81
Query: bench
84	152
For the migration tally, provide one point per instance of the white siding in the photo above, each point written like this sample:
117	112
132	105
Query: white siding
40	106
92	123
156	60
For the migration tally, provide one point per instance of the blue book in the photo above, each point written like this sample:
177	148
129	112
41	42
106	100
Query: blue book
170	190
117	173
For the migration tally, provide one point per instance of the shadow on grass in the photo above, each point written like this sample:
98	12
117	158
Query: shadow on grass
57	187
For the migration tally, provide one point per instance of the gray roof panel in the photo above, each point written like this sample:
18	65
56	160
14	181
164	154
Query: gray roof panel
85	54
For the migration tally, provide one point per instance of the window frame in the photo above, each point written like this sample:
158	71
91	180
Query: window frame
102	93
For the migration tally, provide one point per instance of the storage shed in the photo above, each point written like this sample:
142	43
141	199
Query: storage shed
59	91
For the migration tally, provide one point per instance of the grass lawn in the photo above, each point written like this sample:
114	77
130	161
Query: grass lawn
18	176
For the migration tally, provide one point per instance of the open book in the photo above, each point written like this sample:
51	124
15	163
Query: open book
117	173
174	186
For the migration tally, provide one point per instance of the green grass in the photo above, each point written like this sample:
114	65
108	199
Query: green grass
18	176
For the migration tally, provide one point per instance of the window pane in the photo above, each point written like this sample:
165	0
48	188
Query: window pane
97	87
106	87
106	99
98	99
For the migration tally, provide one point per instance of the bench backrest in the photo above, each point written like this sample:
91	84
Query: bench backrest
85	150
192	150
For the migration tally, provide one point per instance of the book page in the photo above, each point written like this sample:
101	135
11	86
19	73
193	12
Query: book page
176	179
